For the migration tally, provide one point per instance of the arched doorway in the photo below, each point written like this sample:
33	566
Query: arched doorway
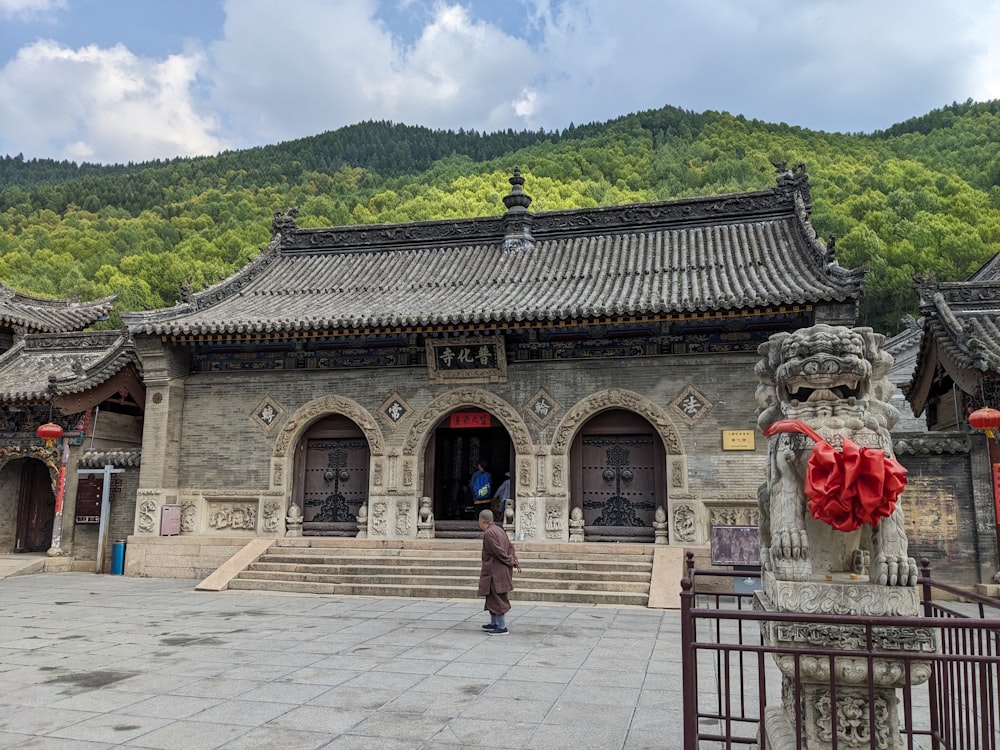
618	476
461	440
31	480
332	462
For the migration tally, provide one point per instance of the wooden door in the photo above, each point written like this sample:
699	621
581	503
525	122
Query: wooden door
619	480
36	509
336	480
617	476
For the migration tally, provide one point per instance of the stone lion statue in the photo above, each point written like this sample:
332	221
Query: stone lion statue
832	381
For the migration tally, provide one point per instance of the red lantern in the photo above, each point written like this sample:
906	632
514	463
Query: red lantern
985	419
49	432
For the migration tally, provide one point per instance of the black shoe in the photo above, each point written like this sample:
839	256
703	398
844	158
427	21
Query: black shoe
490	626
498	631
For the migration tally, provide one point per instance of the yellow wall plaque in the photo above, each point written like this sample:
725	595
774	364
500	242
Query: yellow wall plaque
738	440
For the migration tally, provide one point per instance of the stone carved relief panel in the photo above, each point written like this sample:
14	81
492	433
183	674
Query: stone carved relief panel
678	473
379	520
542	407
394	410
237	516
189	517
404	522
685	523
743	515
524	472
529	523
270	516
147	516
277	474
554	521
558	472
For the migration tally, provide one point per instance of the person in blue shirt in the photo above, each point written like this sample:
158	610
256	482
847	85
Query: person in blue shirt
481	484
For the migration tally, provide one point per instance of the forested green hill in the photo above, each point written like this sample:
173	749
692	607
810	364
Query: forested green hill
920	196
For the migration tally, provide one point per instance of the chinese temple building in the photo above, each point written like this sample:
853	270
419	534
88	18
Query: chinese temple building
603	357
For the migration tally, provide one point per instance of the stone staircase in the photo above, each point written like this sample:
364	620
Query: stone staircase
617	574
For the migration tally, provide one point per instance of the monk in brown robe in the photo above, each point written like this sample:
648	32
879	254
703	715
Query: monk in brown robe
496	577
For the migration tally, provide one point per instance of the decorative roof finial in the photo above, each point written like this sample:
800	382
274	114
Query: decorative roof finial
518	220
516	198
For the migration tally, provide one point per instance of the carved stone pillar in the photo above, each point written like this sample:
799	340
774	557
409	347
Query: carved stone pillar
660	526
576	524
363	521
293	521
812	695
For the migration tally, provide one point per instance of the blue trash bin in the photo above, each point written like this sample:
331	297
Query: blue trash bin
118	558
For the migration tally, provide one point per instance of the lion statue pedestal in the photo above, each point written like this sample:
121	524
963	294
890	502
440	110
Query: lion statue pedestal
831	535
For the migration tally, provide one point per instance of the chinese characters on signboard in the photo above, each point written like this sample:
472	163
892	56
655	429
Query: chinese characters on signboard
470	419
474	357
738	440
469	359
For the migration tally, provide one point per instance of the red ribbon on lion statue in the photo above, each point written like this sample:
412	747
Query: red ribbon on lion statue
850	487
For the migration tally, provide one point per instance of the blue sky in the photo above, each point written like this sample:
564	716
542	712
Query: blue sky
131	80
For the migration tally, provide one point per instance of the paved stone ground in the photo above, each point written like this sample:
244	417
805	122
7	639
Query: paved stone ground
90	661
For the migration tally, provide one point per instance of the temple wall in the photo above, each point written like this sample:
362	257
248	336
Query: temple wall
230	463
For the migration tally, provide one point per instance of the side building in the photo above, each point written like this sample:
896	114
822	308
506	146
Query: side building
349	380
956	372
70	430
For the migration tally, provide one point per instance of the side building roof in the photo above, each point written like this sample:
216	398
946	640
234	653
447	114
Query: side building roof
40	315
961	336
40	367
737	252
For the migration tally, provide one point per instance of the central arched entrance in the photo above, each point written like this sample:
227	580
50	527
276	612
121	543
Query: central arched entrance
462	439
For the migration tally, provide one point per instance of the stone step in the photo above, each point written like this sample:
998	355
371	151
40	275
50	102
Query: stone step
610	573
567	596
437	578
463	567
596	566
453	553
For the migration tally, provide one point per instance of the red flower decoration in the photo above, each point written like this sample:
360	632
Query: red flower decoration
850	487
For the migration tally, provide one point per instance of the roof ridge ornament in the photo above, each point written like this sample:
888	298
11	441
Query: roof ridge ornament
285	221
517	222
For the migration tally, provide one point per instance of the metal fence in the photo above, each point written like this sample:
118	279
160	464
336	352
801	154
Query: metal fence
948	699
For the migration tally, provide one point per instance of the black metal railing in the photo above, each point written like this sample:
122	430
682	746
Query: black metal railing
947	693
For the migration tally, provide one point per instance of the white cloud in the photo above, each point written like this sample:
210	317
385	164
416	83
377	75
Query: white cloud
102	104
28	8
285	78
849	65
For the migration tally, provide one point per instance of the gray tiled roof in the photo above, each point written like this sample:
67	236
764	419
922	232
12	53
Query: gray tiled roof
723	253
35	314
100	459
961	334
964	320
41	365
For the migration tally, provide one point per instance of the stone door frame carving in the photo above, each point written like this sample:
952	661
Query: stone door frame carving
299	423
422	429
616	398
